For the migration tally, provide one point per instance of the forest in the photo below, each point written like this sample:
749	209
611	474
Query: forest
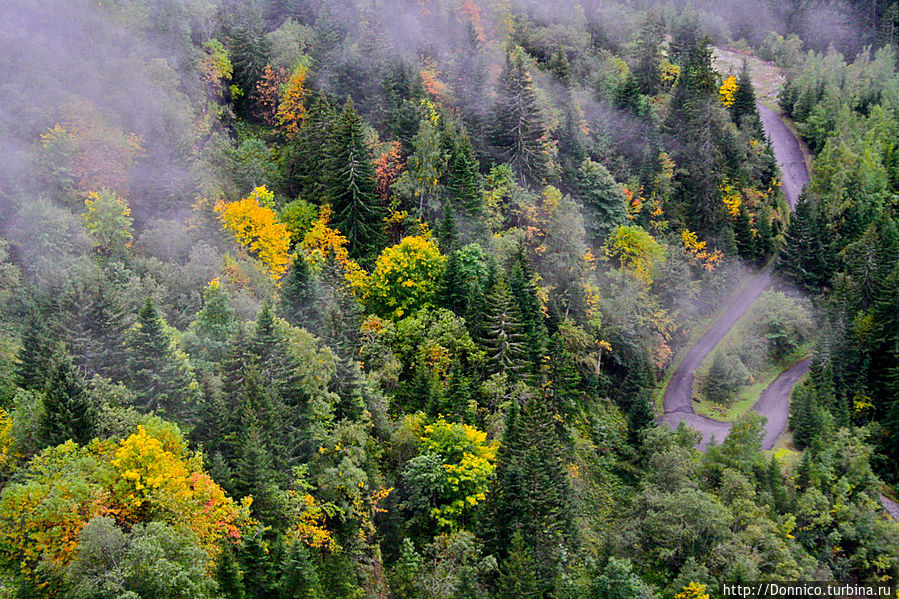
339	299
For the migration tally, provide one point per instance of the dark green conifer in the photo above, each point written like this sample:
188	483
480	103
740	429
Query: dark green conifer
519	130
352	187
35	357
69	413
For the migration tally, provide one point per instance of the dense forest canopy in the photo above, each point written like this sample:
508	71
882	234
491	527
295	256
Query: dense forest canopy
333	299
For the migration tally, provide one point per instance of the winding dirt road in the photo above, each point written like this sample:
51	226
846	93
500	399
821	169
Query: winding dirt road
774	402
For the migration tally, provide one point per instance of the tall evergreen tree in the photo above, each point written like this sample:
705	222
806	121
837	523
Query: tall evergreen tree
36	354
305	158
463	169
524	291
519	130
352	187
743	234
153	371
602	199
503	332
298	294
744	102
532	496
298	580
69	413
518	576
803	256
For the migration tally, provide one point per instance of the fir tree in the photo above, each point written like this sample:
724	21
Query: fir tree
802	258
764	241
35	357
462	177
743	234
602	199
153	373
69	413
447	234
504	333
352	187
531	496
306	158
744	102
517	577
298	293
298	580
523	289
519	129
229	576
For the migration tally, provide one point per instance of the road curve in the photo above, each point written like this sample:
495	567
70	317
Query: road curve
774	402
788	153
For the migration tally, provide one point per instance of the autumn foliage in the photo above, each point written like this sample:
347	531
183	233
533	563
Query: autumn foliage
148	476
292	109
257	228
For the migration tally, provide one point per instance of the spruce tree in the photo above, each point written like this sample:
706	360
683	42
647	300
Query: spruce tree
153	373
532	494
305	158
69	413
352	188
519	131
503	333
602	199
298	579
463	172
523	289
743	234
744	102
298	294
764	241
447	234
228	575
35	357
802	257
517	576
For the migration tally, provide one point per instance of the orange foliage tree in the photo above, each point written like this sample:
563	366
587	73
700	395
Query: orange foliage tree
292	108
267	94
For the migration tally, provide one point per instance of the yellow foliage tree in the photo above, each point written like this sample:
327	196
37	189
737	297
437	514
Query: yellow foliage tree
694	590
697	250
727	91
108	218
256	227
635	250
292	108
322	243
405	278
731	198
148	476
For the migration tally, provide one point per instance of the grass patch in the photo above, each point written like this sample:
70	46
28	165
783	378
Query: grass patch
746	396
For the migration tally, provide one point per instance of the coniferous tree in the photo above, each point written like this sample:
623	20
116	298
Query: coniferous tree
802	258
306	159
517	577
744	101
602	199
743	234
462	175
523	289
447	234
298	580
352	187
69	413
531	495
647	67
153	373
764	241
298	292
519	130
229	576
503	332
35	357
